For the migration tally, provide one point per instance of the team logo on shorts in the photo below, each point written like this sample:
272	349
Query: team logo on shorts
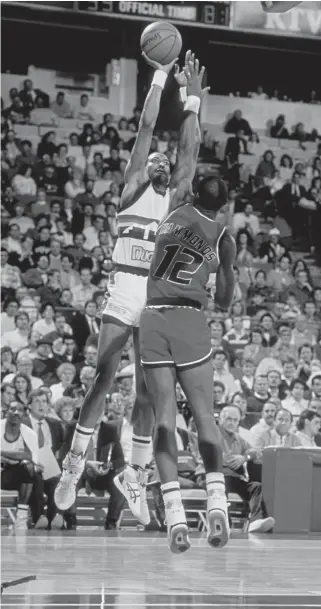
141	254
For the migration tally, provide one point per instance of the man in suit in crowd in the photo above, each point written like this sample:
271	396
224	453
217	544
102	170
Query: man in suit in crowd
85	324
50	436
235	146
288	204
104	459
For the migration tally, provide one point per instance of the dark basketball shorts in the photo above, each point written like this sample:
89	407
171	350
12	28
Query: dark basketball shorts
177	336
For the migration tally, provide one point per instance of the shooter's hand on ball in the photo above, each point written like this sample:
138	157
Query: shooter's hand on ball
158	66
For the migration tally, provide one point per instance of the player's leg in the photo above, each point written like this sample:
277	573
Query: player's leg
112	338
197	384
161	383
135	476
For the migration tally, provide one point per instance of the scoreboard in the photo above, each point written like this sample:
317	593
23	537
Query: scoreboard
216	14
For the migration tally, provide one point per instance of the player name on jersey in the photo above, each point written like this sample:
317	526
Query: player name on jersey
188	236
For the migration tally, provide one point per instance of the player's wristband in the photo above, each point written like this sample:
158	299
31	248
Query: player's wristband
192	104
183	94
159	79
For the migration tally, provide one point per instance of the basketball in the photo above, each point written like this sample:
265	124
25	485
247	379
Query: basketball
161	41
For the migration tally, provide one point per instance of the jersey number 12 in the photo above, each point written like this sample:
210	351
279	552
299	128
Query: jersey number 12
178	260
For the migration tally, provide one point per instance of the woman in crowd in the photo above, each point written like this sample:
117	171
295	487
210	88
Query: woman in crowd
86	138
238	308
66	373
47	145
46	324
244	245
7	362
280	277
301	265
66	408
23	183
10	145
75	186
279	130
255	350
22	385
266	169
20	218
286	168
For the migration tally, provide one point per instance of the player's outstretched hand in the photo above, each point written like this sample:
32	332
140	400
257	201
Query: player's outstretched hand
180	74
158	66
194	76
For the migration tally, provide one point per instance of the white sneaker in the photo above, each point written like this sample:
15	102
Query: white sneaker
142	479
262	525
21	522
218	532
127	484
66	489
177	529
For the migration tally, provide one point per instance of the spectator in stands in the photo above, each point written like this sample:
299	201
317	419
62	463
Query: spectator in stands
46	324
91	233
84	111
23	183
66	373
16	113
237	123
272	250
279	130
255	350
60	106
258	94
9	144
286	168
7	362
85	290
221	373
246	220
86	137
42	116
24	367
22	386
19	460
47	145
266	169
75	185
244	243
295	402
236	453
10	275
281	434
17	339
266	423
8	395
308	426
300	134
280	278
256	402
269	333
10	310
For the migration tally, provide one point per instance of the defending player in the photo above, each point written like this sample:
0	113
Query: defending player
175	344
145	202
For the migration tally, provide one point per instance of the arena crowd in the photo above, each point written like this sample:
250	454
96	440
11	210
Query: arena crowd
60	197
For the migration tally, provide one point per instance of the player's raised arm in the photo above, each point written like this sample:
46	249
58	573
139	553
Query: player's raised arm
225	281
190	133
135	173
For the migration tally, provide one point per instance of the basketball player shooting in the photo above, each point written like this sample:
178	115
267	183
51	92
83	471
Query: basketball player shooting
175	344
145	201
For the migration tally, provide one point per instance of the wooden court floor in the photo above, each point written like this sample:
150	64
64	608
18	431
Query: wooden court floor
129	570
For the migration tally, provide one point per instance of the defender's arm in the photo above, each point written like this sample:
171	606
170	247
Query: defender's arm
225	281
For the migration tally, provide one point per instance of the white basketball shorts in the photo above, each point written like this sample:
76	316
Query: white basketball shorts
127	298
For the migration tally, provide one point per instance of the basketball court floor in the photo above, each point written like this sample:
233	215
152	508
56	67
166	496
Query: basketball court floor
129	570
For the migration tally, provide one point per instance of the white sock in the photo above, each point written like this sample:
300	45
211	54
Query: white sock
81	440
22	509
171	492
141	451
215	481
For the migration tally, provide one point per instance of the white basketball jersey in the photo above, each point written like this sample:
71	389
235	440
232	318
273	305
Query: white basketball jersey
137	226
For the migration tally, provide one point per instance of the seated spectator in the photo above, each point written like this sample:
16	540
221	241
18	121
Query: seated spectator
84	111
235	146
29	94
221	373
7	362
279	130
47	323
280	278
85	324
300	134
219	400
17	339
75	185
10	310
272	250
266	169
238	123
255	350
23	183
9	144
258	94
60	106
244	243
91	233
8	395
246	220
16	113
10	275
47	145
269	333
19	461
103	184
236	454
256	401
295	402
274	382
41	115
51	292
20	218
69	278
308	426
22	386
236	338
66	373
286	168
288	375
66	409
281	434
266	423
84	291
